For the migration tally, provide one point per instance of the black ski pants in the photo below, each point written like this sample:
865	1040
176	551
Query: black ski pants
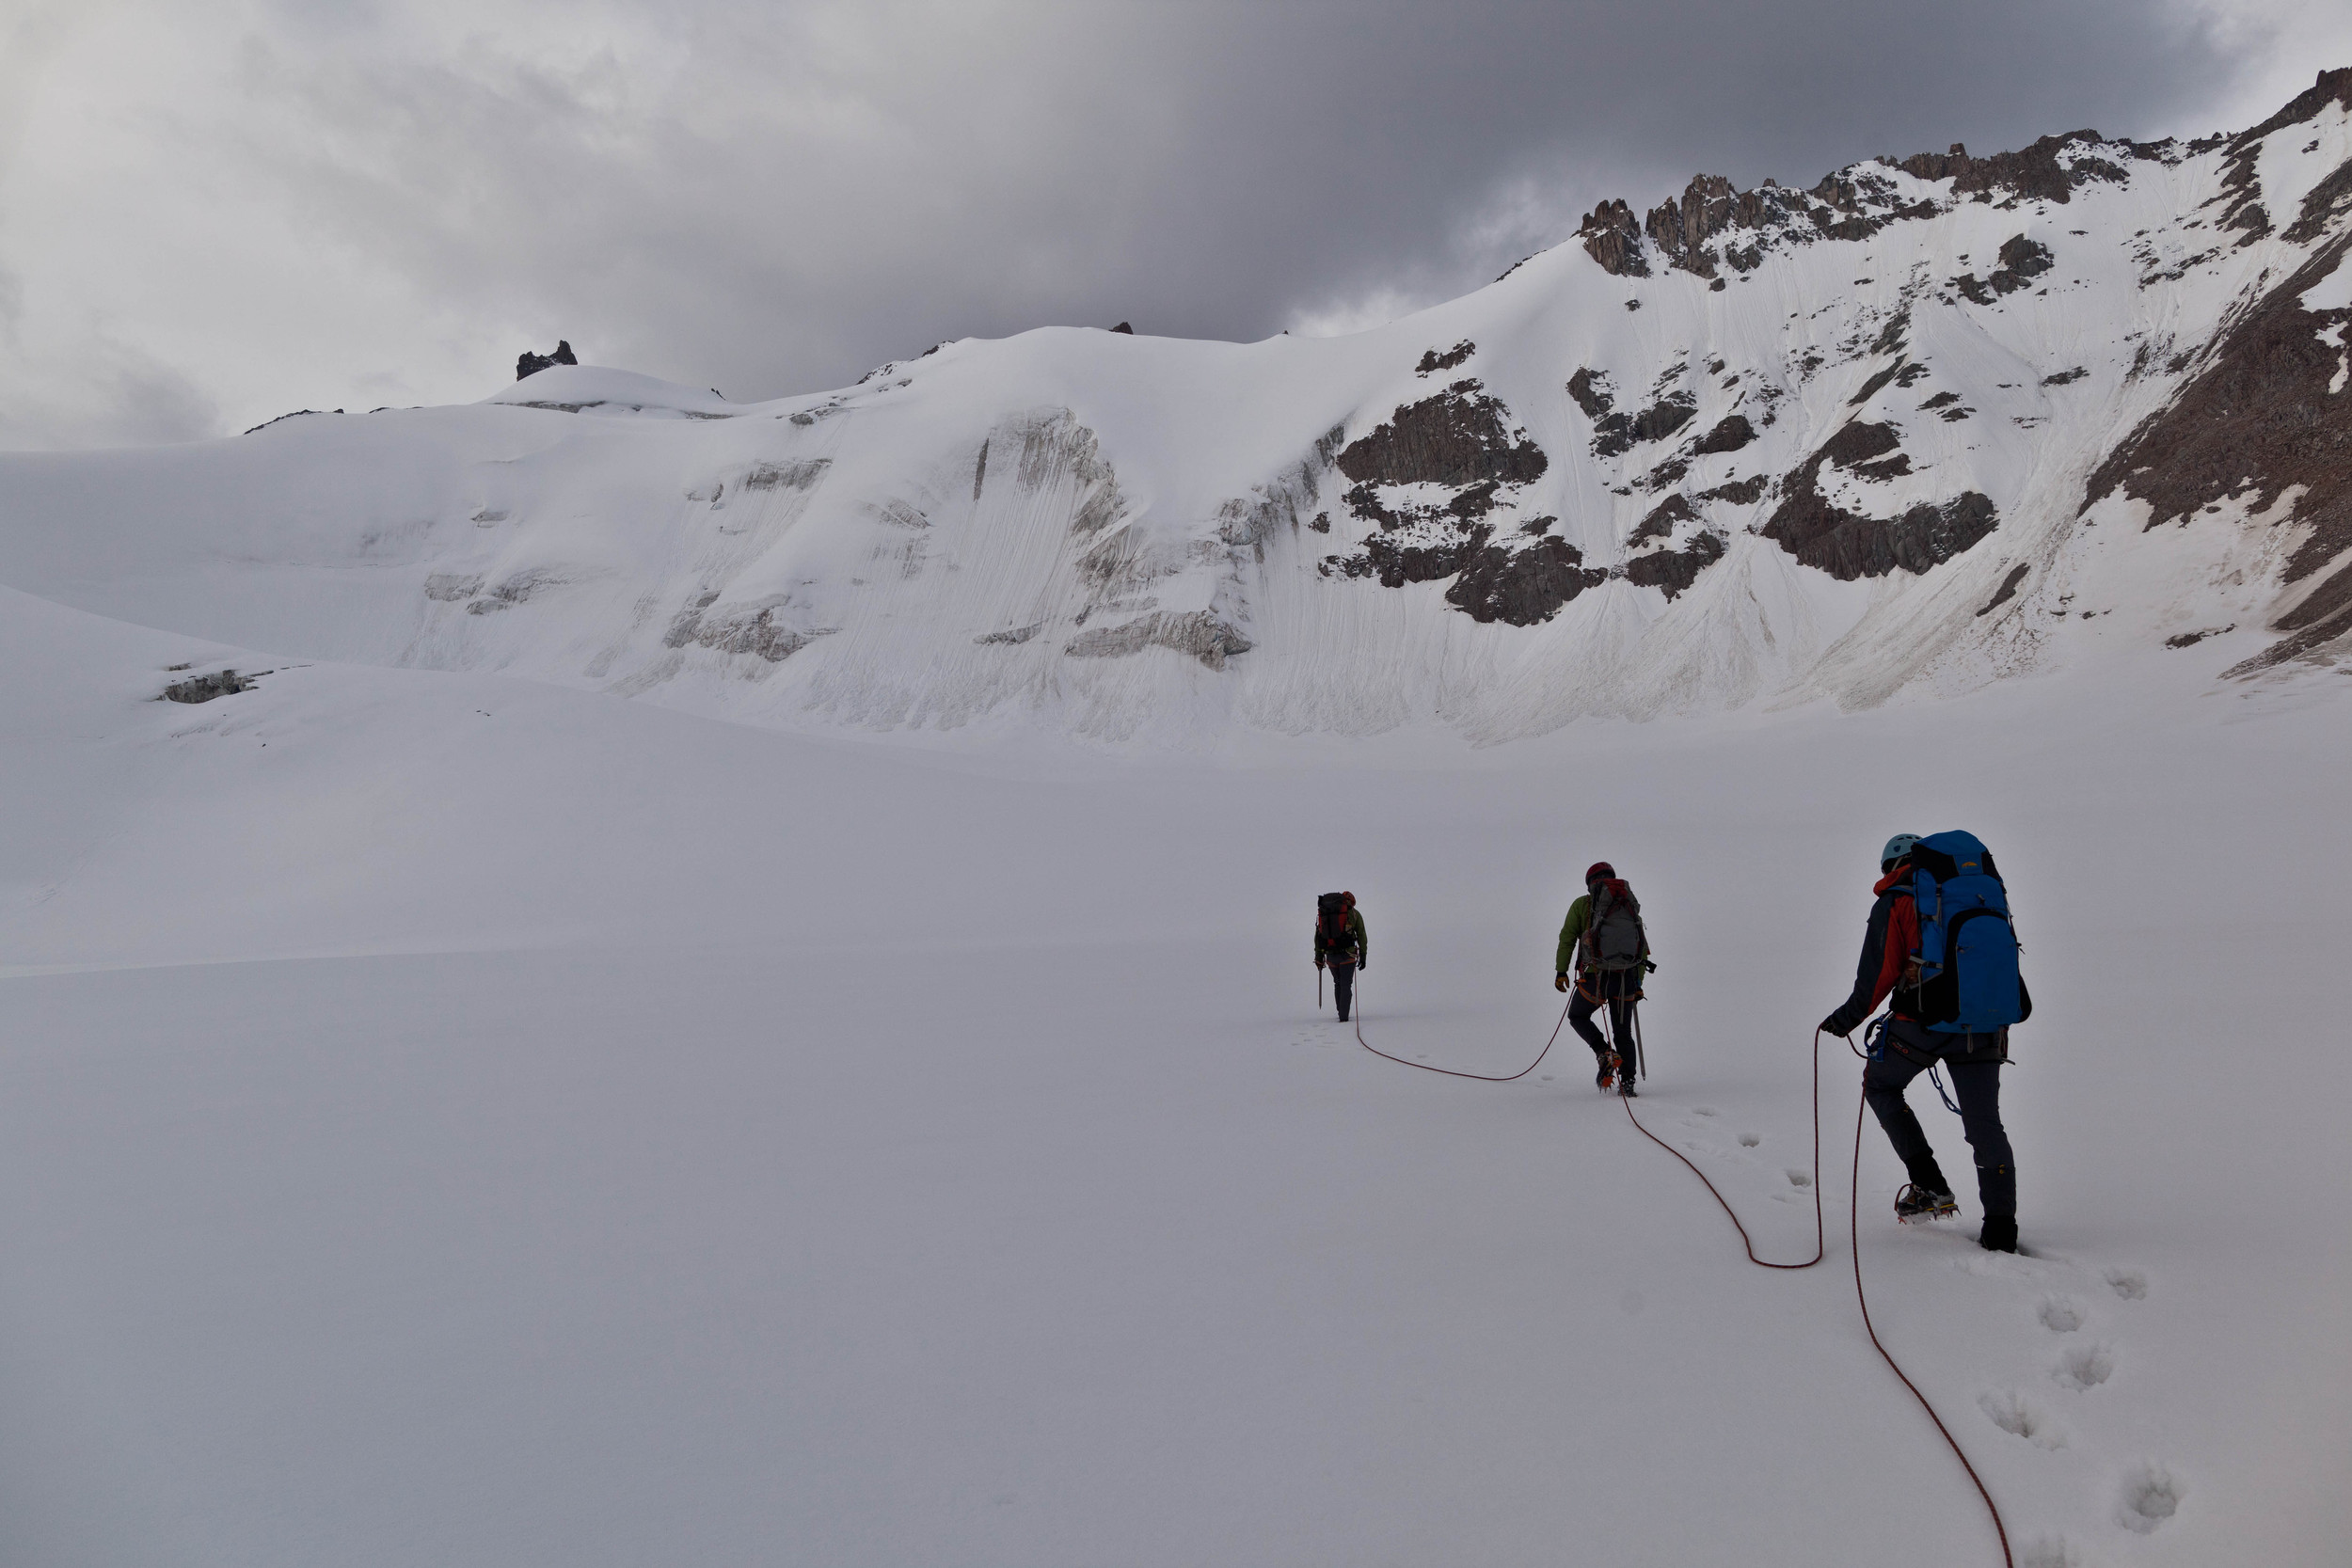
1618	988
1973	1063
1342	986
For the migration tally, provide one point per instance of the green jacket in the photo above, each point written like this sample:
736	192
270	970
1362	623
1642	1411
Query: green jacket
1572	930
1358	951
1580	918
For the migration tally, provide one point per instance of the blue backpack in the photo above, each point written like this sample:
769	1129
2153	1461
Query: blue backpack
1967	953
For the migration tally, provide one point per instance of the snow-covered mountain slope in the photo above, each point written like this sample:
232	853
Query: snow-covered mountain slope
1925	425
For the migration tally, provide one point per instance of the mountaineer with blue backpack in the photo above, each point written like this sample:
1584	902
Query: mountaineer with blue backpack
1941	947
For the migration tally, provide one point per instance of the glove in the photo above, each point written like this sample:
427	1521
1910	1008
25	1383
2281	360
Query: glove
1318	960
1363	963
1559	982
1838	1023
1649	966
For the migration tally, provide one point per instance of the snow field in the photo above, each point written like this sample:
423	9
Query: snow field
590	1133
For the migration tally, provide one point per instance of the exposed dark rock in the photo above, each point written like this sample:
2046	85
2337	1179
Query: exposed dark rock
1432	361
1420	559
1884	469
204	688
529	364
2008	588
1364	502
1451	439
300	413
1662	520
1018	634
2022	260
1524	587
2190	639
1675	570
2033	173
2255	421
1616	434
2026	258
1122	326
1857	442
2321	205
1876	381
1742	492
799	474
1941	399
2065	378
745	629
1613	237
1590	388
2241	185
1321	523
1730	434
1197	632
1537	525
1848	545
1668	473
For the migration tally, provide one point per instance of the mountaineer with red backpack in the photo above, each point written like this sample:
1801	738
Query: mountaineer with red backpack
1340	945
1605	945
1940	944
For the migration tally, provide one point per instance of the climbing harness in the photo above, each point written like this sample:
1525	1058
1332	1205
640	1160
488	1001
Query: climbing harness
1853	1204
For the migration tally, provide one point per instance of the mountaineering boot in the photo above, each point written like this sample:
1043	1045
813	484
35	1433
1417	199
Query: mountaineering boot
1999	1233
1608	1071
1916	1203
1624	1083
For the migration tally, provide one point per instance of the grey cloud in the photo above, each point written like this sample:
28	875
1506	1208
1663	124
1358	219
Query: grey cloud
770	199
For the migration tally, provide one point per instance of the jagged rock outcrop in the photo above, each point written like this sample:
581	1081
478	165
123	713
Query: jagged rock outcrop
1848	545
531	364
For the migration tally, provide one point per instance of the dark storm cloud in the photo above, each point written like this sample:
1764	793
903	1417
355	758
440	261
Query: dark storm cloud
775	198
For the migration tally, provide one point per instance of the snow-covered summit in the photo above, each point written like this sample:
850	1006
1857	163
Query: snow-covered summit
1925	425
594	388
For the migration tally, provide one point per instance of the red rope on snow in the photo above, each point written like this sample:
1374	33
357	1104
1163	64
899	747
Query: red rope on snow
1853	1204
1482	1077
1853	1214
1821	1244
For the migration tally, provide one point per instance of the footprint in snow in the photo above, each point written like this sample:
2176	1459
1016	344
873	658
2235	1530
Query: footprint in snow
1749	1140
1705	1110
2130	1284
2060	1314
1799	1177
2084	1368
2050	1551
2021	1418
2152	1494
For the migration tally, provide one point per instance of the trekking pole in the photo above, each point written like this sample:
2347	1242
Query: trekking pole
1318	987
1641	1056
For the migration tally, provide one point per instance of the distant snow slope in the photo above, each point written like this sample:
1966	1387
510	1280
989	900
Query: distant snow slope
1923	426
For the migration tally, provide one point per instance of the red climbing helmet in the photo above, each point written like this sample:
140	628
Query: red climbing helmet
1599	871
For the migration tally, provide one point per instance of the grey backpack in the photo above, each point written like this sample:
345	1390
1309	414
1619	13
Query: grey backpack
1615	940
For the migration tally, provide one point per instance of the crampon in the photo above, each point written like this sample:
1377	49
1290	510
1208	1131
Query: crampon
1916	1205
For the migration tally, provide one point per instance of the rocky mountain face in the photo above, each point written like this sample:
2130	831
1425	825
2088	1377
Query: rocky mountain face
1929	423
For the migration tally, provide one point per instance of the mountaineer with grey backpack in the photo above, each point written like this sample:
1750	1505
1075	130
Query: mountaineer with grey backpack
1605	945
1339	945
1940	950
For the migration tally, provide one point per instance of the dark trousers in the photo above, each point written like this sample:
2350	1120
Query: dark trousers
1342	986
1617	988
1975	1069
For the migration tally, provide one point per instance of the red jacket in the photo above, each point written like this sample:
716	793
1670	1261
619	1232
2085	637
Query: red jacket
1902	937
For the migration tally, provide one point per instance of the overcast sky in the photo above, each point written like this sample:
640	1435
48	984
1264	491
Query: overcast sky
216	211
